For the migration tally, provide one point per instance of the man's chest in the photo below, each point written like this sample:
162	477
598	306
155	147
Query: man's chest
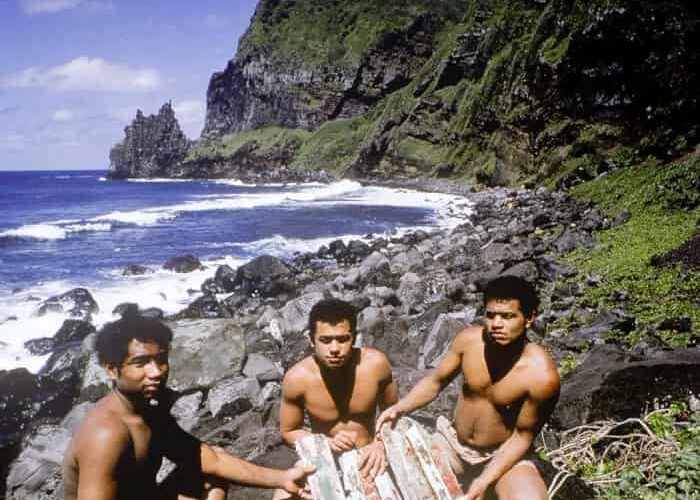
504	391
332	401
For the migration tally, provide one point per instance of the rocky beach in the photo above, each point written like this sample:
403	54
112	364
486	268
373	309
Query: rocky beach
414	293
567	132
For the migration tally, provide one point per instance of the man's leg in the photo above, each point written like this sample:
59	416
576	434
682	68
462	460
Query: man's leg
522	482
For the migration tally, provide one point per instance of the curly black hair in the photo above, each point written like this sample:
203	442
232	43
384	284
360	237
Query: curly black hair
332	311
112	341
513	287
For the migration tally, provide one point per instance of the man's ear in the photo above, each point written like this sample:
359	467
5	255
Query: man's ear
112	371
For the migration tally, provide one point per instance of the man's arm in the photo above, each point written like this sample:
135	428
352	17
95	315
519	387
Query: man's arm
429	386
537	407
230	468
98	454
292	408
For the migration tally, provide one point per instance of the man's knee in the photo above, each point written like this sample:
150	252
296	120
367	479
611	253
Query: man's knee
522	482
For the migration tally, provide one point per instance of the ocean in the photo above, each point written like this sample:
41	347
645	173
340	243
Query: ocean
65	229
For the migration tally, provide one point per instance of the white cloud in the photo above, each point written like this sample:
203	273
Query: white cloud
87	74
34	7
13	141
63	115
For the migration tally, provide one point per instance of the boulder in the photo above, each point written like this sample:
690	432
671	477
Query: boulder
36	473
206	306
411	292
262	368
204	351
607	385
265	275
40	346
136	270
183	264
72	331
233	396
224	281
78	303
438	340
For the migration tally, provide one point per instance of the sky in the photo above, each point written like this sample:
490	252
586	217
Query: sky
74	72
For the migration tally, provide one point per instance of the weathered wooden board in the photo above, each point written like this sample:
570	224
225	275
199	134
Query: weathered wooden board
359	487
405	463
431	472
324	483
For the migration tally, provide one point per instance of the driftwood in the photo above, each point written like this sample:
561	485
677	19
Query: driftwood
417	470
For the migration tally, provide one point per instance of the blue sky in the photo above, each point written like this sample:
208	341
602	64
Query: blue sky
74	72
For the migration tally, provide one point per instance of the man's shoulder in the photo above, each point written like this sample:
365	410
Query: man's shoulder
301	372
471	336
373	357
541	369
102	429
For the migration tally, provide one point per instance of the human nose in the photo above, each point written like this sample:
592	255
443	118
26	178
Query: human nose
154	369
335	346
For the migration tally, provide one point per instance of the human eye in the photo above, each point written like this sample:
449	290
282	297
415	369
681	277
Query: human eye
325	340
490	314
344	339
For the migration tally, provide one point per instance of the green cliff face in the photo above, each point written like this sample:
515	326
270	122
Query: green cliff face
494	92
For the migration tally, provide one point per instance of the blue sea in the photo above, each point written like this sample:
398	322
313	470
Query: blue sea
65	229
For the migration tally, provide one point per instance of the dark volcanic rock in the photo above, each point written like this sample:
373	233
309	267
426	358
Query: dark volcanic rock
40	346
73	330
607	385
77	302
152	145
224	281
183	264
266	275
136	270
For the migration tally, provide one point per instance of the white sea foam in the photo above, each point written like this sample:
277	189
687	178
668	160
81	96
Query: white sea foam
88	227
146	217
36	231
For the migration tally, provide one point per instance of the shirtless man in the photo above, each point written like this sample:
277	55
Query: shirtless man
118	449
339	387
510	388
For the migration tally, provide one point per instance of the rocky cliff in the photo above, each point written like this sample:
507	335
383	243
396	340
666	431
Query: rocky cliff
152	144
492	91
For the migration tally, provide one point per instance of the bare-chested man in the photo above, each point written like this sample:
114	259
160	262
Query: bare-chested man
510	388
339	387
119	447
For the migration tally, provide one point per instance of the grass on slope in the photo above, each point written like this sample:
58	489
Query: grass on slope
266	138
663	202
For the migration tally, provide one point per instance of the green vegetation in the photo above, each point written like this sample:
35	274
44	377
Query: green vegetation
663	206
554	50
333	146
334	32
567	365
677	476
265	139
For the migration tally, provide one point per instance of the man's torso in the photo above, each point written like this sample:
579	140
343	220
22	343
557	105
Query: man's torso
487	410
345	403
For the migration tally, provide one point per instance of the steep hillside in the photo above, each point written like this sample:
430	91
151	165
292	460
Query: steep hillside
489	91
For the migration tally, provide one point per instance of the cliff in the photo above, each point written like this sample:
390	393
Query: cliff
491	92
152	144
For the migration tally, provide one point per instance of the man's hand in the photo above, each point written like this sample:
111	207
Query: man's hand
476	490
342	441
372	459
388	416
294	480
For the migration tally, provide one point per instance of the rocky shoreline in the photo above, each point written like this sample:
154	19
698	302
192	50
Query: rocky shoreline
414	292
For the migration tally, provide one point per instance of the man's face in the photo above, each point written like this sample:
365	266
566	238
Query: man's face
332	344
144	372
505	322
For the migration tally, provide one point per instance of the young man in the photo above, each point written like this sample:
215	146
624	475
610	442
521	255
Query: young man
119	447
339	387
510	388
